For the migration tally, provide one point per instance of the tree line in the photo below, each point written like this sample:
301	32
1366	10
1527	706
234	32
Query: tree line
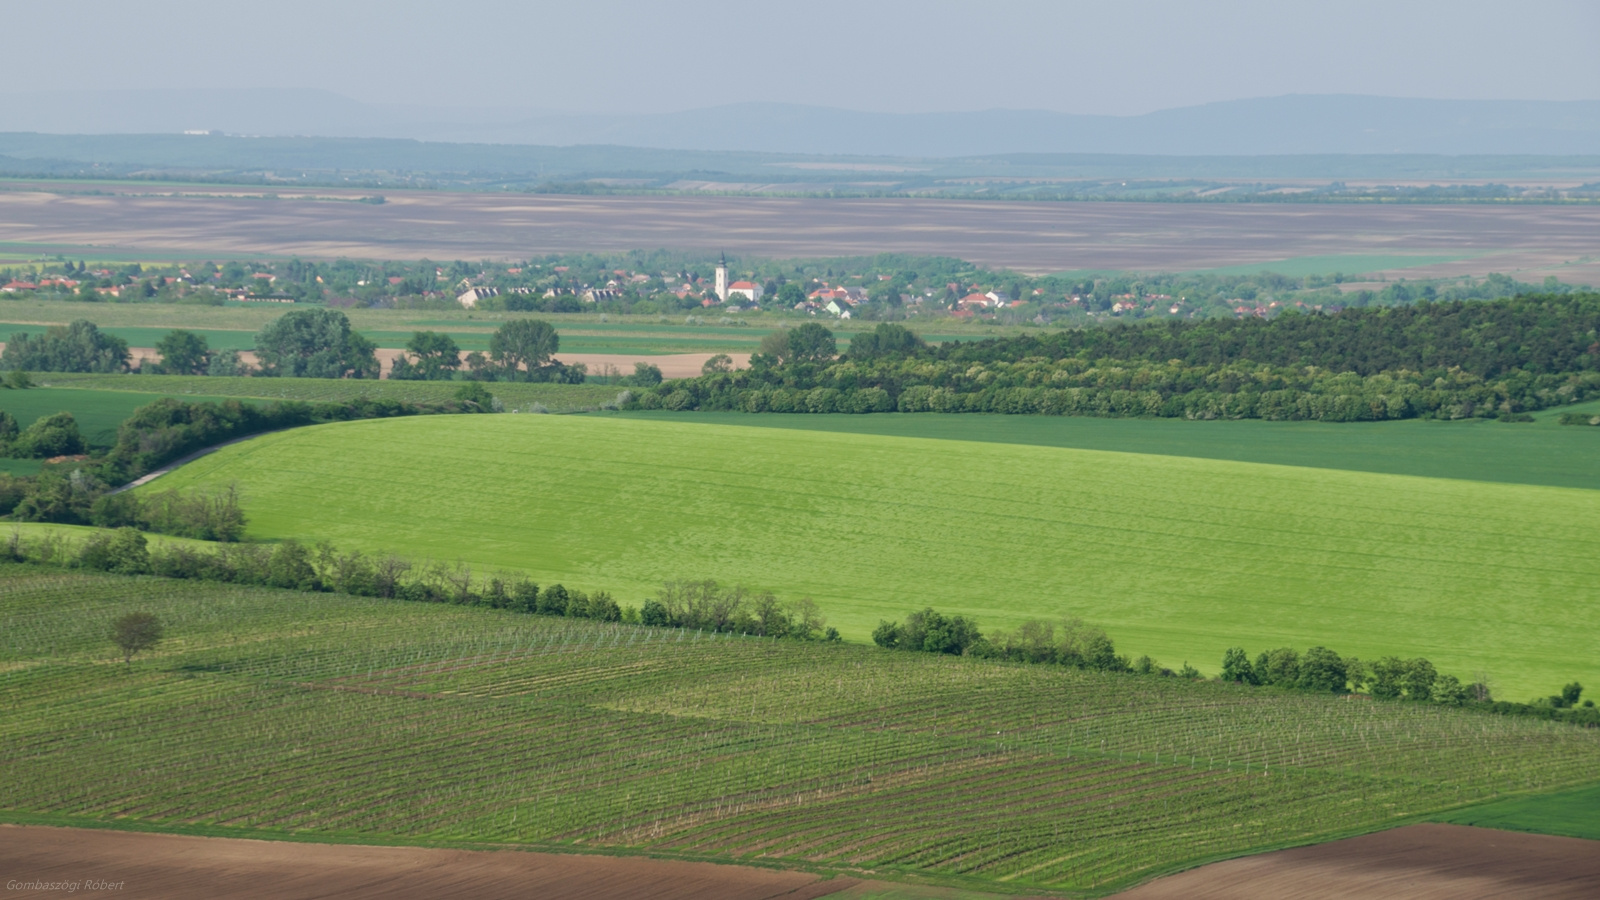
1498	359
303	343
1079	645
704	605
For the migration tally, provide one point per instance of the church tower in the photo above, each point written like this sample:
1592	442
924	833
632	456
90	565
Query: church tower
722	278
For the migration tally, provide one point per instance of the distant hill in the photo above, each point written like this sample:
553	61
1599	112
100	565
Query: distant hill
1294	124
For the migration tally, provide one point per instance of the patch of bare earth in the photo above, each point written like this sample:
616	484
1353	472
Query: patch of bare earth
1031	237
176	867
1417	862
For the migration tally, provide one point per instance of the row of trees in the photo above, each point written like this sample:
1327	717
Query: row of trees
303	343
1498	359
1077	644
702	605
519	350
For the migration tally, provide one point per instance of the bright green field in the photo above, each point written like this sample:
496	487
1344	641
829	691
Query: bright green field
1522	453
1574	813
323	717
555	397
1177	557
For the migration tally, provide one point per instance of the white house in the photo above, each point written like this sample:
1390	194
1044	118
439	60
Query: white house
748	289
471	296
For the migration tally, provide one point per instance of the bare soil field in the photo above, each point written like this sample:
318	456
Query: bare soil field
174	867
1417	862
1031	237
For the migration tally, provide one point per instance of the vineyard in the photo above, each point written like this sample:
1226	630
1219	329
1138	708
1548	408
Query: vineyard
515	396
281	711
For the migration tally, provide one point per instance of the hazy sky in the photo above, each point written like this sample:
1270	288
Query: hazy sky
1121	57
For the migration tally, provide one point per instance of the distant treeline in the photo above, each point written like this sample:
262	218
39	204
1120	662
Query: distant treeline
1431	360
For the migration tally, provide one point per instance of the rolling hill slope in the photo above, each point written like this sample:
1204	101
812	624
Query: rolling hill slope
1176	557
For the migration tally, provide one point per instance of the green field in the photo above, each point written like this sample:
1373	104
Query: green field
98	412
516	396
1574	813
272	713
1475	450
1177	557
235	327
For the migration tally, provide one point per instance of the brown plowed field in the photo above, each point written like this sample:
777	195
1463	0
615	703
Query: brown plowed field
1032	237
175	867
1418	862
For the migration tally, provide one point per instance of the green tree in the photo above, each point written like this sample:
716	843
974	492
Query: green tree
1321	669
437	357
184	353
812	342
773	350
52	435
78	347
888	338
135	632
721	363
1279	667
791	294
523	346
1236	667
8	431
315	343
644	375
124	551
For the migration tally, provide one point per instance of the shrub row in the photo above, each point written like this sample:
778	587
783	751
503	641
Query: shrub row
701	605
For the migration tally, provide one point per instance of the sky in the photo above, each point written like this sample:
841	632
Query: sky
1117	58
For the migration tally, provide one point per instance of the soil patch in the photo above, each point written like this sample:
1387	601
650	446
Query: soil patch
174	867
1031	237
1416	862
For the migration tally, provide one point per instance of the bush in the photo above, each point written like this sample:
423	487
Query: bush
50	436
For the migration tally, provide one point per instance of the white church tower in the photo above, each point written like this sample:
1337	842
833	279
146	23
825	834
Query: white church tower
722	279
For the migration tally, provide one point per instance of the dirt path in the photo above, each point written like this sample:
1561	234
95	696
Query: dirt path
90	862
1418	862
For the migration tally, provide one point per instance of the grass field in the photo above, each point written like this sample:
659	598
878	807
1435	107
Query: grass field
1574	813
1521	453
98	412
1177	557
141	389
235	327
271	713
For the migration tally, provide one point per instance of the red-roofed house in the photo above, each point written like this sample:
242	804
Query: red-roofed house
12	287
749	289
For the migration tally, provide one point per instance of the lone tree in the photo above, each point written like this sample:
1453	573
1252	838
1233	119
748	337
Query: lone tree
134	632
